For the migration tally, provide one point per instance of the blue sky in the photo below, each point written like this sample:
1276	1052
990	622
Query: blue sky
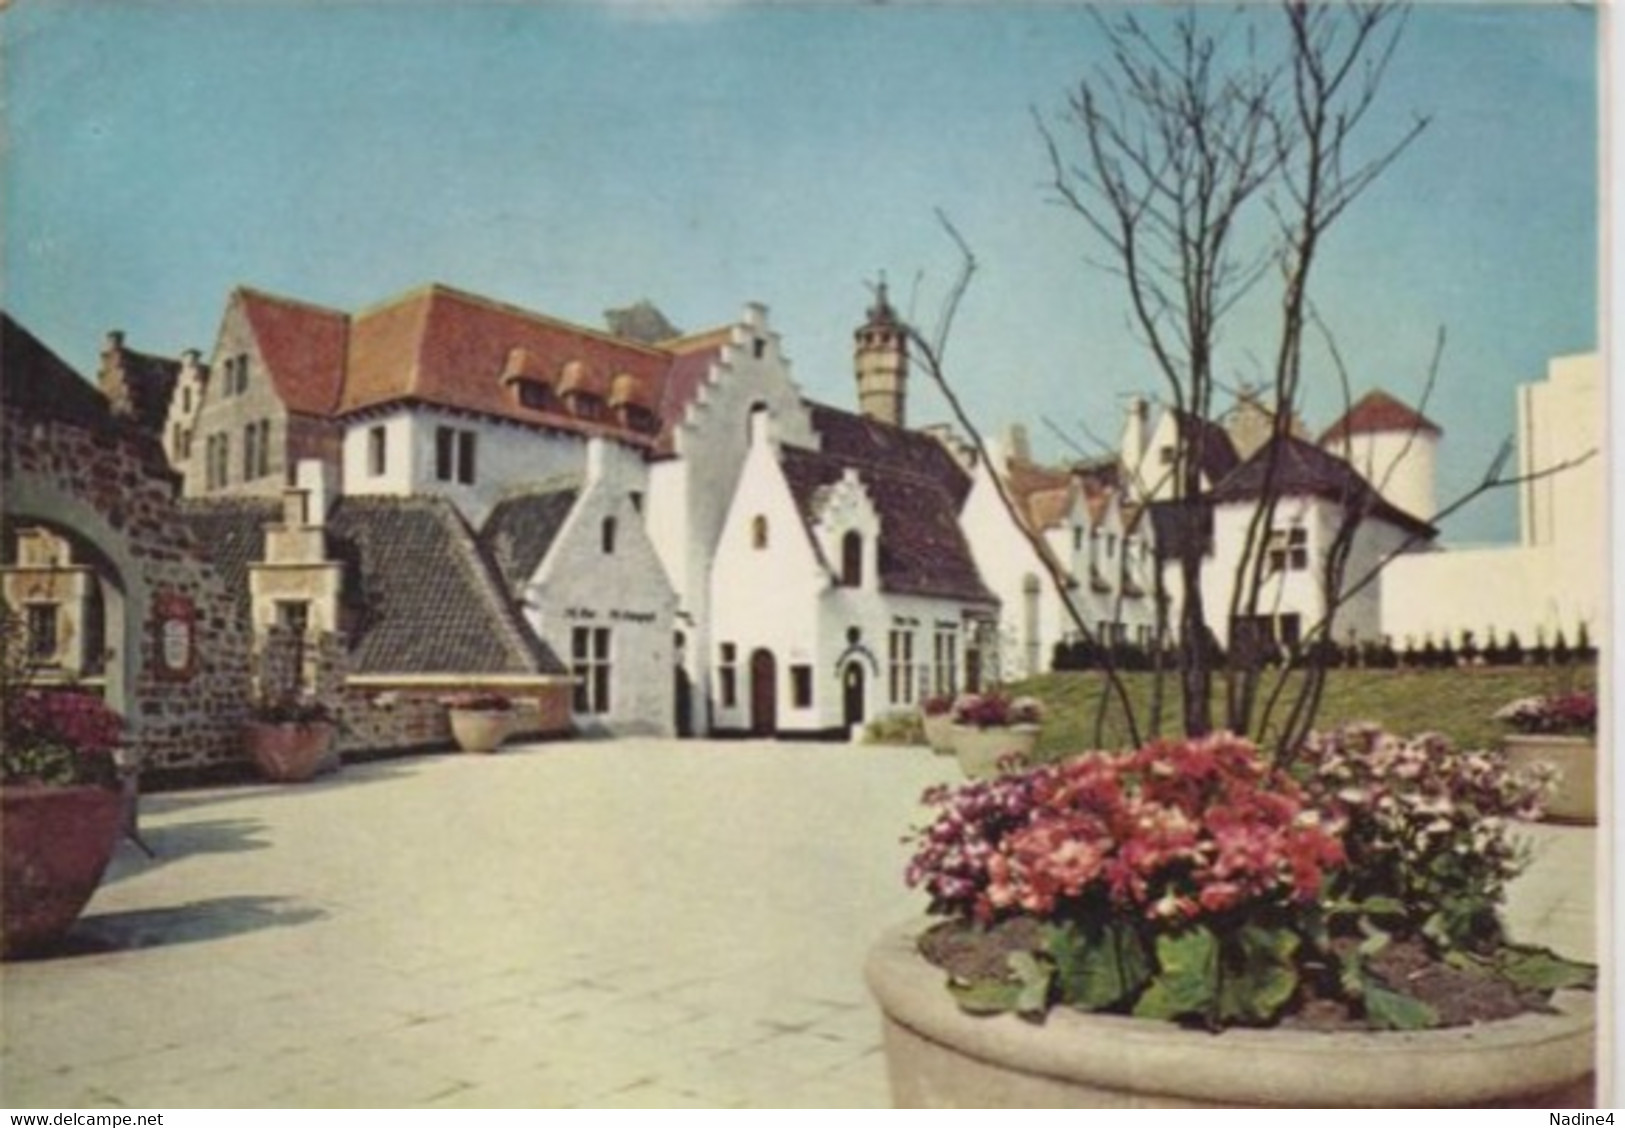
574	157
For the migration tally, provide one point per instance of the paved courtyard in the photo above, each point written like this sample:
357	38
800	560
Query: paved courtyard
635	923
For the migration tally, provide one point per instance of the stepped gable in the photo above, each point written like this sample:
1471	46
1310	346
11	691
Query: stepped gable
148	383
231	530
440	346
425	598
521	530
922	548
1303	469
1377	413
864	442
303	347
692	358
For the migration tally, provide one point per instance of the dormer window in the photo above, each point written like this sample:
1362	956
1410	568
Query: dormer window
530	381
852	559
630	401
583	388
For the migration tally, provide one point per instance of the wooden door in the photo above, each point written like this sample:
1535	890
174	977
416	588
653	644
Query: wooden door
852	694
764	693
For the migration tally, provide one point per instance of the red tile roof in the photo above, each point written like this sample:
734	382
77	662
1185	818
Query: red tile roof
302	346
441	346
1377	412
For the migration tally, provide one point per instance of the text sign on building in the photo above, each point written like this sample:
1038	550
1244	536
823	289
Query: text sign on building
175	621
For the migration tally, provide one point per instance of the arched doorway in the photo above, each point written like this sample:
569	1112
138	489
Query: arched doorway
764	693
852	694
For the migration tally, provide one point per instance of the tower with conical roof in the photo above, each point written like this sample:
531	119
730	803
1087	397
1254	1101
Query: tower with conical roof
881	361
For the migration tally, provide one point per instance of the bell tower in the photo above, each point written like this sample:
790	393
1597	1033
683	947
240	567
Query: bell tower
881	360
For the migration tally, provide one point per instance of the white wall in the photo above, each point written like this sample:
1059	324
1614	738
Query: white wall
689	496
1401	464
1009	564
580	585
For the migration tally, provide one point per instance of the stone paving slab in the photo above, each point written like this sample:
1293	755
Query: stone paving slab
617	924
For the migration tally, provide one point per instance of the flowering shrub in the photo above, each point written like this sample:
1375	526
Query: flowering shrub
996	710
1194	880
1559	715
938	705
59	737
482	701
1426	829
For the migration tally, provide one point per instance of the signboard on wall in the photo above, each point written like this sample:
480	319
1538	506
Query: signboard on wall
175	627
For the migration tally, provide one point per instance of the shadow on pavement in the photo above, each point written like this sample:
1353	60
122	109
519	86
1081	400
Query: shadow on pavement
194	922
180	840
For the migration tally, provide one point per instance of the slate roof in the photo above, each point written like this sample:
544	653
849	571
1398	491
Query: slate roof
150	382
35	382
865	443
441	346
303	346
1377	412
521	530
232	531
1304	469
922	549
426	598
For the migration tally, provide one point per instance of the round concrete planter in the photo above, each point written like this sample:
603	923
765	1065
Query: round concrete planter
939	1057
979	750
290	751
939	732
480	730
57	842
1575	757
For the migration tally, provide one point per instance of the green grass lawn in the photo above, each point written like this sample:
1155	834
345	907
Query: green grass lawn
1459	703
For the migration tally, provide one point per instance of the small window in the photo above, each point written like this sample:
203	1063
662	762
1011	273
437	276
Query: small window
636	497
852	559
1287	550
263	464
186	398
251	450
607	535
728	675
758	347
43	640
376	450
293	615
454	455
465	457
758	531
801	686
590	663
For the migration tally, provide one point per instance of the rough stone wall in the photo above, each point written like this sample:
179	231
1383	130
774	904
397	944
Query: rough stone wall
111	489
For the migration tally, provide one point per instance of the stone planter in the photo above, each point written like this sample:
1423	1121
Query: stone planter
57	842
939	732
480	730
1575	757
979	750
939	1057
288	751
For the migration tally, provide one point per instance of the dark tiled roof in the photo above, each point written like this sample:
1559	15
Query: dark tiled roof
150	382
1211	445
922	548
865	442
1181	525
425	598
231	531
520	530
1303	469
303	347
35	382
1378	412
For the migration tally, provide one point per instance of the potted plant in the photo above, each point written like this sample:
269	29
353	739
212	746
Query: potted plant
993	732
936	718
60	811
1189	924
480	721
290	738
1560	731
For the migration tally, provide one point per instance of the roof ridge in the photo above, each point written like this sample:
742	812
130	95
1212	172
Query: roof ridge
283	299
694	342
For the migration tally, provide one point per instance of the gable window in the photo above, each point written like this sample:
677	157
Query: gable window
1288	550
263	464
251	450
852	559
728	675
607	535
228	376
757	347
43	640
590	664
900	667
801	686
758	531
377	451
454	455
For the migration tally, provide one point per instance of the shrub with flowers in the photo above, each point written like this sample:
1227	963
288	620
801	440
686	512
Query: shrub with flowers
1562	714
996	710
1195	881
937	705
60	738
